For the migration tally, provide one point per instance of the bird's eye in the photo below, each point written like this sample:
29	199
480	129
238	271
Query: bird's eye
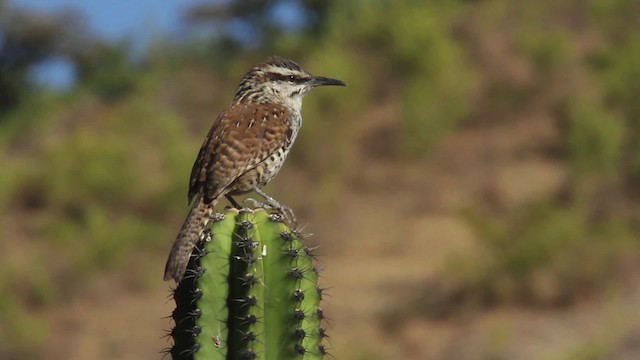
292	78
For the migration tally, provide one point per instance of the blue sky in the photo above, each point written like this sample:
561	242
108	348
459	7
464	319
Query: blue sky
112	19
116	19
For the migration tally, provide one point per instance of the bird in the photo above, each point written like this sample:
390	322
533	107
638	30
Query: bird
245	148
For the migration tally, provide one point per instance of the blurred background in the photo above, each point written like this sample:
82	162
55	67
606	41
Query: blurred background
474	190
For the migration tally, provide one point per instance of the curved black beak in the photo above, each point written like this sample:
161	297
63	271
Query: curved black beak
320	81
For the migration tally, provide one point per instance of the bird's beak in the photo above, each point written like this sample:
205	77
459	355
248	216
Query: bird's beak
320	81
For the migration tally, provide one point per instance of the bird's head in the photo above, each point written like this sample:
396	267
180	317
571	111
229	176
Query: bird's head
279	80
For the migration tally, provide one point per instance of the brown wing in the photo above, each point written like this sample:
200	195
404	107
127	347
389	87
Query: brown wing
204	157
241	138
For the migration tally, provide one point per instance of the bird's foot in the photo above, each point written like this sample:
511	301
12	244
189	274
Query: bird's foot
271	203
256	204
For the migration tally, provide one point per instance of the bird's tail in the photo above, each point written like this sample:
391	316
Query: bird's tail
191	231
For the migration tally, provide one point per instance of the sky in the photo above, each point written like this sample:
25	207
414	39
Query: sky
111	19
116	19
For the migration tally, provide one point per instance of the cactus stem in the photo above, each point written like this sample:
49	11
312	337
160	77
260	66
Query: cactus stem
250	292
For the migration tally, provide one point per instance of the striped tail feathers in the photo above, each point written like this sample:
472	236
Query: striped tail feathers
191	231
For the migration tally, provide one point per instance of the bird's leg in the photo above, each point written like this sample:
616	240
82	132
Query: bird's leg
271	202
233	202
274	204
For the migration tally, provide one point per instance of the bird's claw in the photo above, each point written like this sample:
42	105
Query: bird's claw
285	211
256	204
288	215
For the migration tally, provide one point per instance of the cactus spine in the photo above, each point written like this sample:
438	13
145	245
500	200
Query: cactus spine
250	292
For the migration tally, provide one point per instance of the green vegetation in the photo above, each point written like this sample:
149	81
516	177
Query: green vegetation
426	64
595	138
545	253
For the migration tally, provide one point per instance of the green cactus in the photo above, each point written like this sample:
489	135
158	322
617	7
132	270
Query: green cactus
250	292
